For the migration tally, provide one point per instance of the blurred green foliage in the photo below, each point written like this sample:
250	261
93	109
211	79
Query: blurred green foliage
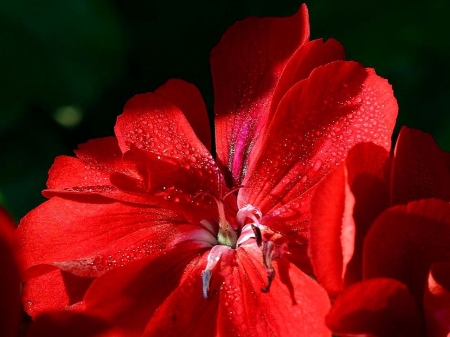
69	66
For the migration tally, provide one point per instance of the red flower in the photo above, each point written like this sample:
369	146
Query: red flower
148	233
390	229
9	278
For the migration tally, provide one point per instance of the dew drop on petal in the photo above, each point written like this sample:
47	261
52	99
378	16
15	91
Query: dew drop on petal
317	165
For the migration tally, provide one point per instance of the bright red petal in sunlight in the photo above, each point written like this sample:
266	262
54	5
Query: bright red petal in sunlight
308	57
295	305
189	100
154	125
246	66
89	239
421	169
317	122
377	307
97	234
91	172
437	300
405	241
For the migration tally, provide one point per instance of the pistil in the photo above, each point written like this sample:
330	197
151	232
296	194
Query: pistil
227	235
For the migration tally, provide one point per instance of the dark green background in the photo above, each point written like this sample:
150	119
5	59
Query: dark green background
94	55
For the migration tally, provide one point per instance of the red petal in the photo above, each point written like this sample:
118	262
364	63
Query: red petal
378	307
368	168
9	279
294	306
437	300
55	290
185	312
246	66
88	238
332	230
308	57
128	297
316	124
153	124
344	206
405	240
420	168
168	184
187	97
98	161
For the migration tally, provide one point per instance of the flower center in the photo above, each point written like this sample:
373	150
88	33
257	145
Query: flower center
272	244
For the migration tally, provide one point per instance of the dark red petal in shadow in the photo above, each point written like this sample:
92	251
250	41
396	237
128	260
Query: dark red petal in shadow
9	278
368	167
405	241
332	230
437	300
188	98
420	168
344	206
377	307
185	312
246	65
68	324
152	290
52	291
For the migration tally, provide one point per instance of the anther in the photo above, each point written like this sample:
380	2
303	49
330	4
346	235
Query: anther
258	235
267	252
213	258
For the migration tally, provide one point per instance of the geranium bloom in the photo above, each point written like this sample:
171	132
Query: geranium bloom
9	278
148	233
388	226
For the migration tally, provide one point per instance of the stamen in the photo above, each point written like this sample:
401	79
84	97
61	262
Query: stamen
246	234
254	214
258	236
273	247
206	279
226	236
267	252
213	258
250	212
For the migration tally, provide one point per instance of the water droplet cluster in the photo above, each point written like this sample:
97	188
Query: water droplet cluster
92	189
167	136
129	254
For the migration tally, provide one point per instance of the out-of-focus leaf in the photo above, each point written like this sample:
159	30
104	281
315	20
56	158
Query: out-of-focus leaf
56	53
